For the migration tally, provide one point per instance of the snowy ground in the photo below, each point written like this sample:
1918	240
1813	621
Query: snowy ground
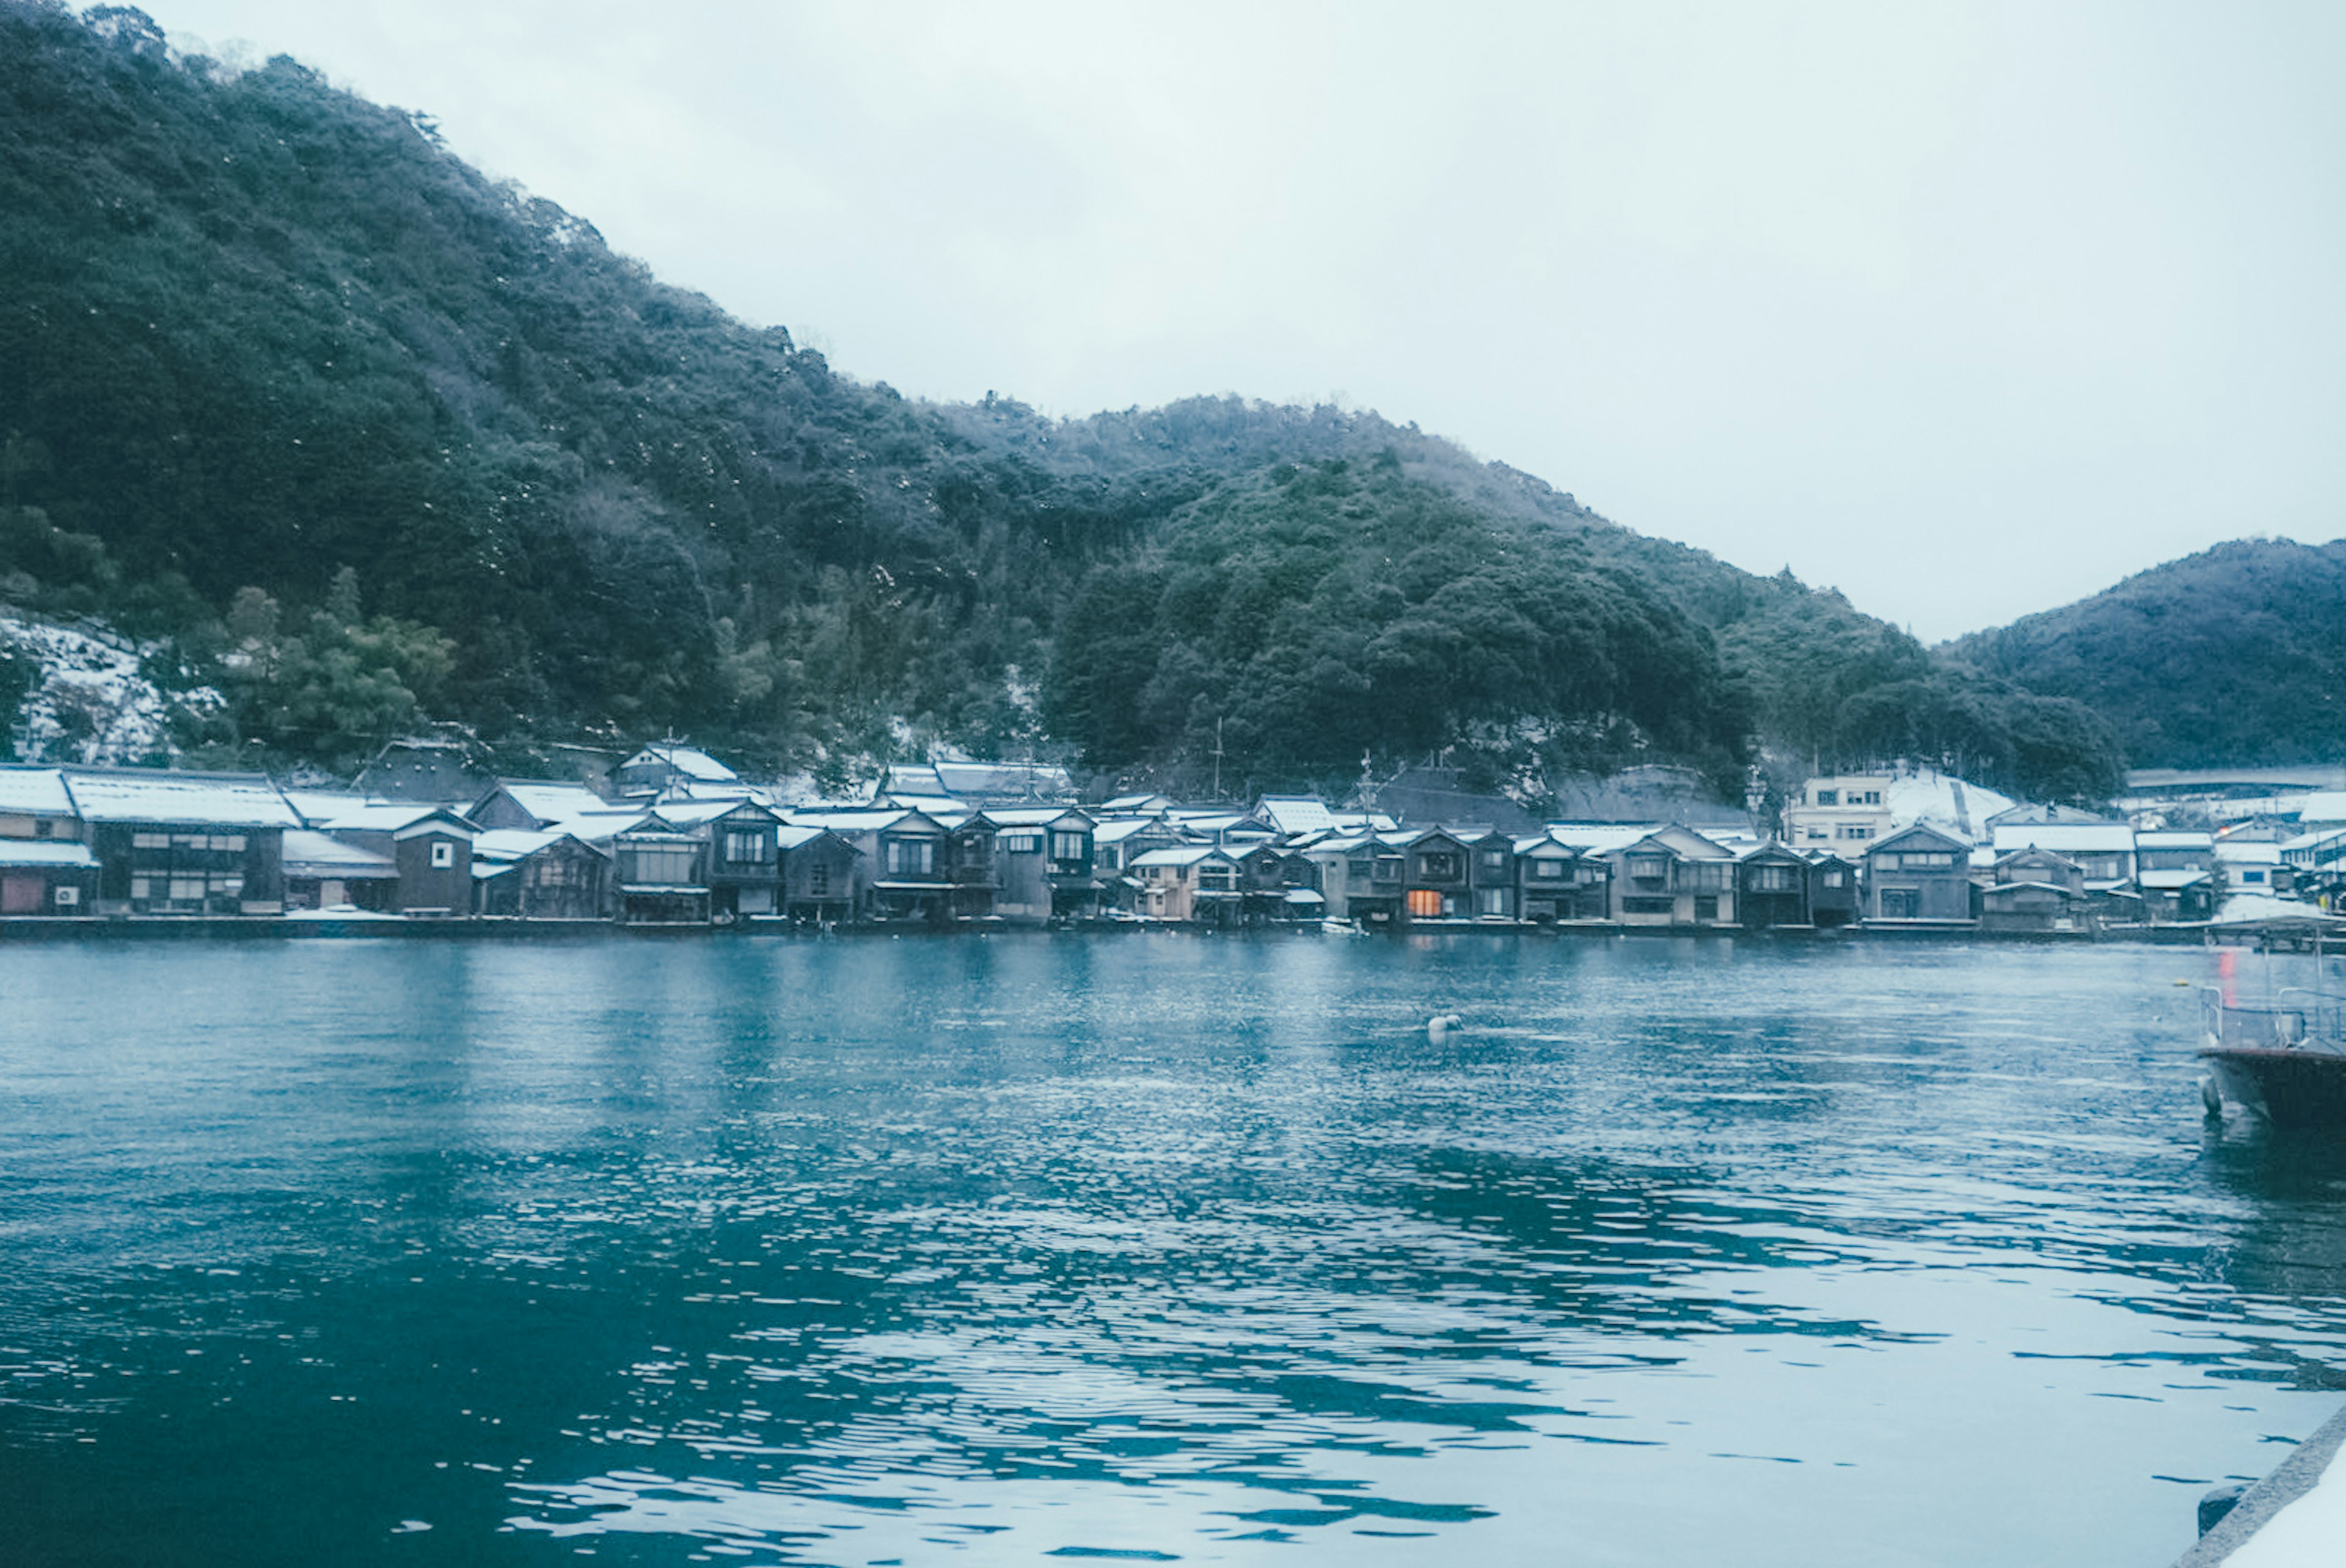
93	704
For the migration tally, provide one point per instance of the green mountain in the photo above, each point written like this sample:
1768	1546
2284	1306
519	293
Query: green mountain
368	437
2234	656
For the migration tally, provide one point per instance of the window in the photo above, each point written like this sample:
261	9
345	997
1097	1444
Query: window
1438	866
1818	835
1648	868
42	830
1424	904
1707	878
444	855
818	880
1856	830
1547	869
1828	797
1491	902
141	887
1023	843
745	847
1832	878
1388	868
912	856
227	843
1217	878
187	890
1932	860
1067	845
1647	906
1359	870
1771	879
660	865
1494	860
151	841
1874	797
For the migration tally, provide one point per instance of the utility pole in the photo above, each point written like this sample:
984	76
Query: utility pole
1217	760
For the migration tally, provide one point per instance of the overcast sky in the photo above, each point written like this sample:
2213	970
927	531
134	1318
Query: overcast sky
1968	312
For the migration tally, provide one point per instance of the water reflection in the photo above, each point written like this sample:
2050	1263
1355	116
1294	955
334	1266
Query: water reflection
861	1251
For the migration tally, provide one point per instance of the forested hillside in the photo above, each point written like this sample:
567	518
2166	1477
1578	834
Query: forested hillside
368	438
2234	656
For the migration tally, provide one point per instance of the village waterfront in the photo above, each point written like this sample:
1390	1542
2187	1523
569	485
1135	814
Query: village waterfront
1024	1247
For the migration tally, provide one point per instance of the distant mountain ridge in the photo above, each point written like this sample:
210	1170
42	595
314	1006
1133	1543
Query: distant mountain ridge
363	436
2235	655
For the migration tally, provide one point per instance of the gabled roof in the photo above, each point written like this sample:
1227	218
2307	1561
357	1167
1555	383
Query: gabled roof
147	794
35	792
700	813
1295	813
1923	835
548	800
798	836
2068	838
381	817
1144	805
1033	816
511	844
690	761
1187	855
311	853
1600	837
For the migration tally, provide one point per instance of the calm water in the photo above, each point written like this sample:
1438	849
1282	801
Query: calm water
1147	1247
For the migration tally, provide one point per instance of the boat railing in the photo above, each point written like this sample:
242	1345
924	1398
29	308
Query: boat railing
2307	1016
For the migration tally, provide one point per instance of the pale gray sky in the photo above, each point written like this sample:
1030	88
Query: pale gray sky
1967	310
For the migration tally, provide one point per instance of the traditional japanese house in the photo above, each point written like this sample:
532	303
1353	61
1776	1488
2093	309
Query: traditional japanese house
322	872
668	763
1771	887
1338	859
1491	873
1196	883
1836	896
663	876
971	851
2032	908
2176	870
1376	878
903	870
1043	855
534	805
1674	877
33	805
183	843
1556	882
818	875
54	877
1918	875
744	867
430	847
544	875
2103	852
1437	881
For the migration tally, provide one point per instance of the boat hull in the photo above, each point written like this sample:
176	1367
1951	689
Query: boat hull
2290	1088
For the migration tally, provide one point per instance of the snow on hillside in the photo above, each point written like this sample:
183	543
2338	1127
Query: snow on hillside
92	703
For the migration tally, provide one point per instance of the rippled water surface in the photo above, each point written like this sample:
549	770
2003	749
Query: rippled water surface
1147	1247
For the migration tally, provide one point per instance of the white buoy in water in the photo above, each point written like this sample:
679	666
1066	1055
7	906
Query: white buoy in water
1438	1027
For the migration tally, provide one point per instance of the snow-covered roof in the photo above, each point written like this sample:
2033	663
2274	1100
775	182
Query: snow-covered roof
1146	804
1189	855
549	801
866	819
1950	805
2165	881
1118	832
34	791
690	761
796	835
309	852
1601	837
2172	839
2322	806
1030	816
44	852
374	818
2232	854
935	805
214	800
697	813
1295	813
2066	838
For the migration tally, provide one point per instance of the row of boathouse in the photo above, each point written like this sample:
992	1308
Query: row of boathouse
675	840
